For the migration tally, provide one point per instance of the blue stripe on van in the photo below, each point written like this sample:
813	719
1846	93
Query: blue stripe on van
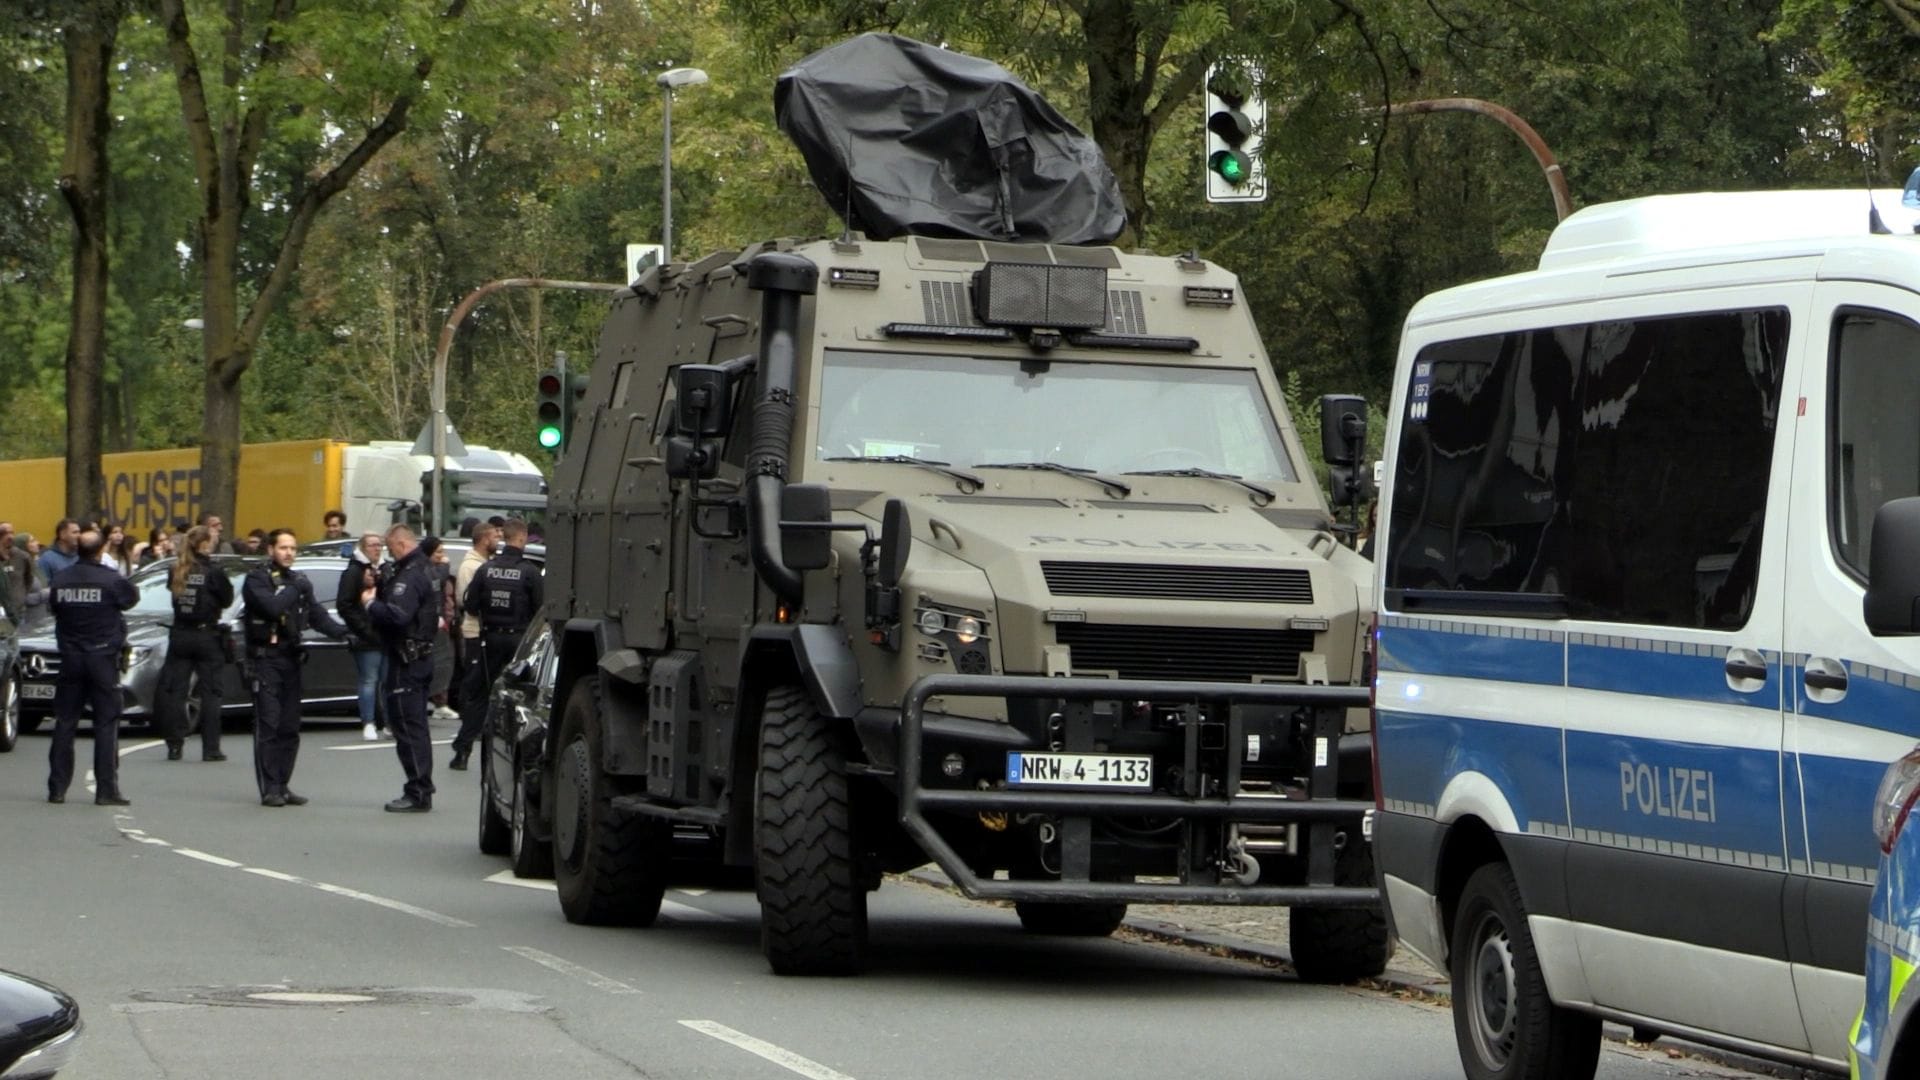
1839	808
1870	703
1421	752
1471	653
1717	797
1665	675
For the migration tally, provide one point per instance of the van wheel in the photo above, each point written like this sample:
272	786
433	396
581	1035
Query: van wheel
494	836
813	904
1341	945
610	868
1506	1025
1070	920
9	715
532	856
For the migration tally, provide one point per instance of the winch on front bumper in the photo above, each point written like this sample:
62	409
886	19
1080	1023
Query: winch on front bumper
1189	827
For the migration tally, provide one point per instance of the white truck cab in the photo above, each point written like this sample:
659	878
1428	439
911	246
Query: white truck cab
1629	717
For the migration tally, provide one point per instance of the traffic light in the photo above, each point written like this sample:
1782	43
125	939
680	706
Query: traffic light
1236	123
457	499
550	410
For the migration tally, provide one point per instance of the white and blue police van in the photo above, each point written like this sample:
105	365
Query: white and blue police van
1629	718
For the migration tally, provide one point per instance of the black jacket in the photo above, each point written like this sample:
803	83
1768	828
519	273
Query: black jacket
279	606
408	607
87	600
506	593
361	633
207	595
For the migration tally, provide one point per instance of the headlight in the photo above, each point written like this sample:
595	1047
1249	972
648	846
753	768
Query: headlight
138	654
967	630
932	623
47	1058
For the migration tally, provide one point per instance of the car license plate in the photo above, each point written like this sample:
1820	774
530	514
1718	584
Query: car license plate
1127	772
36	691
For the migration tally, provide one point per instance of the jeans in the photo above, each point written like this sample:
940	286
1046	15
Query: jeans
372	666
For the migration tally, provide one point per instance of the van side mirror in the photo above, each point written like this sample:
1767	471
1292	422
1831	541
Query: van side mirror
703	401
803	505
1343	429
896	543
689	458
1892	603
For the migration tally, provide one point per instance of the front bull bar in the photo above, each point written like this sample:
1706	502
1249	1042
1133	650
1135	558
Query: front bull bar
1322	811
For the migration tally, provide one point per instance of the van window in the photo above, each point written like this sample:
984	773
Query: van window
1629	486
1874	453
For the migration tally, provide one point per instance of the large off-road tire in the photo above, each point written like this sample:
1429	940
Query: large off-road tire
9	715
1506	1025
813	904
1070	920
532	857
496	837
610	868
1341	945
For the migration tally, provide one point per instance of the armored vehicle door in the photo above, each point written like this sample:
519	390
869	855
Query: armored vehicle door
714	577
641	558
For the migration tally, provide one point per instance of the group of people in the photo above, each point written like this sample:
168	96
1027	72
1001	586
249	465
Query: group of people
391	612
28	566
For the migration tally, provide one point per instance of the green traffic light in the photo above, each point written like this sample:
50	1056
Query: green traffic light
1231	166
549	437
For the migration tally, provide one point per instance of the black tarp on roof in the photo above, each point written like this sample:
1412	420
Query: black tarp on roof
903	137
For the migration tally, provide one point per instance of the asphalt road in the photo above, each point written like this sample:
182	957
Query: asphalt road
169	920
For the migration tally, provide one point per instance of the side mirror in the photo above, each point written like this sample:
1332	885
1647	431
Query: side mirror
801	505
703	401
689	458
1892	603
1343	429
896	543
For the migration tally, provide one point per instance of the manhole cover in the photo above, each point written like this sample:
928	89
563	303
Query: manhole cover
293	997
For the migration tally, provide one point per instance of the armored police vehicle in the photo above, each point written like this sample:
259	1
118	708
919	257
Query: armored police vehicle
1001	555
1631	713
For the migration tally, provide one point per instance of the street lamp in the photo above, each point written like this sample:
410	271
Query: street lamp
669	81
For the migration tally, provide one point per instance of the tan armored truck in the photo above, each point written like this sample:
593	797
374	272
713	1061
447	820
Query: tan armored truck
867	553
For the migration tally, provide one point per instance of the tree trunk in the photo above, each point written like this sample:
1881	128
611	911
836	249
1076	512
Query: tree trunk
1116	105
227	358
87	37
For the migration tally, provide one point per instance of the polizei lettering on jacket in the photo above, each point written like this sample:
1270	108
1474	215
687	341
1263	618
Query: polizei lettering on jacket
1667	791
73	594
1148	545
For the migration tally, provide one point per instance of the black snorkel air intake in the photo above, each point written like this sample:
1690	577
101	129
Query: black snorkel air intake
784	278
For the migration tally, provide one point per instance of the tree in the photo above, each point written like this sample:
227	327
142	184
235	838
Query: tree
87	33
336	84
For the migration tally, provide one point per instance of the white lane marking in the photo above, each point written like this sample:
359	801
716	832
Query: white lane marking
139	746
505	877
293	879
688	913
784	1058
383	744
571	970
206	858
691	892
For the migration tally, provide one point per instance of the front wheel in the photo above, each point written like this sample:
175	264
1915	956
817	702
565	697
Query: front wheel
813	902
609	868
532	856
1341	945
1506	1025
1071	919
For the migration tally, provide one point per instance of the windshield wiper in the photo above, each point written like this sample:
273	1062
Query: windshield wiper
942	467
1107	482
1266	494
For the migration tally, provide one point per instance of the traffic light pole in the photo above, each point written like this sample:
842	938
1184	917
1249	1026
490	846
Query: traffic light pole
439	390
1556	178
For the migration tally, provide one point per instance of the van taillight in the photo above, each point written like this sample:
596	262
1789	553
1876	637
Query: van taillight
1894	801
1369	669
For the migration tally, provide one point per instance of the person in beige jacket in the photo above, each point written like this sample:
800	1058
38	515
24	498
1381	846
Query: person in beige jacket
486	537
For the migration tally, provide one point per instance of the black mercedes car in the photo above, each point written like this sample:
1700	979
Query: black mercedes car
39	1027
511	743
330	678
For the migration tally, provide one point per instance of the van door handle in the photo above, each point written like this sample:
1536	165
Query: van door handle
1820	680
1825	679
1739	667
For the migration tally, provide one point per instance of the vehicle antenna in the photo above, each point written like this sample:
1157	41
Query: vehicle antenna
1874	225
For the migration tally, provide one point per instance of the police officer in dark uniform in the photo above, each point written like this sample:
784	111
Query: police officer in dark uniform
505	595
407	612
197	646
279	606
87	601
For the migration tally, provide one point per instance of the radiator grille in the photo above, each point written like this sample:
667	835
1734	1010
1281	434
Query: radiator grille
1212	653
1252	585
947	303
1126	312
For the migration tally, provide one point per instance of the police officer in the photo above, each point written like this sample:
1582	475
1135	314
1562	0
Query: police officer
197	645
87	600
505	596
407	613
278	607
